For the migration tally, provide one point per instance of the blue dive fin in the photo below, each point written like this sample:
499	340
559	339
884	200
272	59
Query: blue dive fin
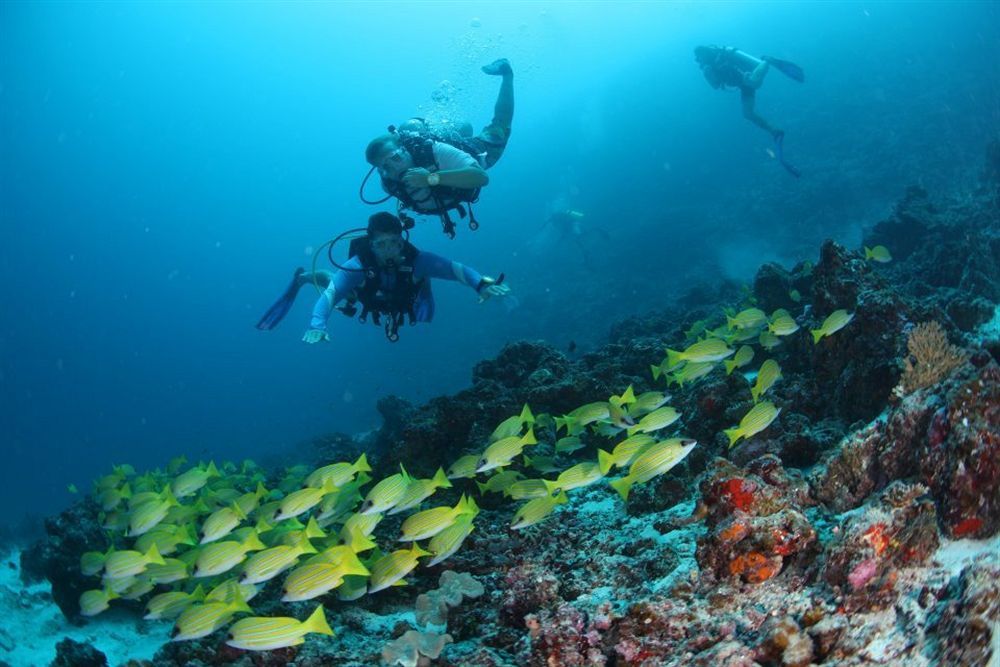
272	318
779	152
789	69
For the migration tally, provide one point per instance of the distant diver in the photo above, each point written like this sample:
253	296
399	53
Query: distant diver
436	170
728	67
565	225
386	275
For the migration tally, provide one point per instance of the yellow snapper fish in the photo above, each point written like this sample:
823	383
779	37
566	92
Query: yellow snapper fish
536	510
173	569
353	588
139	588
303	500
429	523
624	452
691	372
176	464
512	425
543	464
502	452
751	318
190	482
768	340
219	557
743	356
269	563
626	398
655	460
167	538
464	467
344	500
182	514
264	633
248	502
500	482
782	324
527	489
363	523
879	254
767	375
339	473
94	602
448	541
109	499
648	401
146	516
384	495
221	522
122	564
168	606
391	568
202	619
710	349
231	590
794	295
569	444
756	420
656	420
421	489
582	416
582	474
120	585
834	322
92	562
314	579
311	531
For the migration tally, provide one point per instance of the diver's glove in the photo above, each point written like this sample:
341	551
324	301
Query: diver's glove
314	336
488	287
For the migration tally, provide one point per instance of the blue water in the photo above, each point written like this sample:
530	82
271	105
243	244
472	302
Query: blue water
164	167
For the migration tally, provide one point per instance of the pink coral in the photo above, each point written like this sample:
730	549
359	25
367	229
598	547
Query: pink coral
862	573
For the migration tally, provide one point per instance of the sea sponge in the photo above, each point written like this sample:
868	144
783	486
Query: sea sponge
432	606
409	649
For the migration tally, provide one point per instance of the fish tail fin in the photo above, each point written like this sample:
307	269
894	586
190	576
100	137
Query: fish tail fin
622	486
730	365
733	434
529	437
673	358
317	623
441	480
817	334
604	461
361	465
868	252
656	371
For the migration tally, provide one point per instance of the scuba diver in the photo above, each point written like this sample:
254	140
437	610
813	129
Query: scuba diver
728	67
566	224
386	275
433	172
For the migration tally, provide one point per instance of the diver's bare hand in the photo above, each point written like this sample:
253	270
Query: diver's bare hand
314	336
416	178
490	288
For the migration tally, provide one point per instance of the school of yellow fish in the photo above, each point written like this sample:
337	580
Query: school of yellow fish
215	533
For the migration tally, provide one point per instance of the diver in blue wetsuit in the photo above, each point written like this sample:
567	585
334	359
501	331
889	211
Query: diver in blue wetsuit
387	277
727	67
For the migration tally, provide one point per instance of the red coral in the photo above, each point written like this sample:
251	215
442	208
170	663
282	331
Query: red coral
754	567
739	493
967	527
876	537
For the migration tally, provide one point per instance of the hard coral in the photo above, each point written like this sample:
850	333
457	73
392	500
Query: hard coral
960	461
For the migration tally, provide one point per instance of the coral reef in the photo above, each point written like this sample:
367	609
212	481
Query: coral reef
852	531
